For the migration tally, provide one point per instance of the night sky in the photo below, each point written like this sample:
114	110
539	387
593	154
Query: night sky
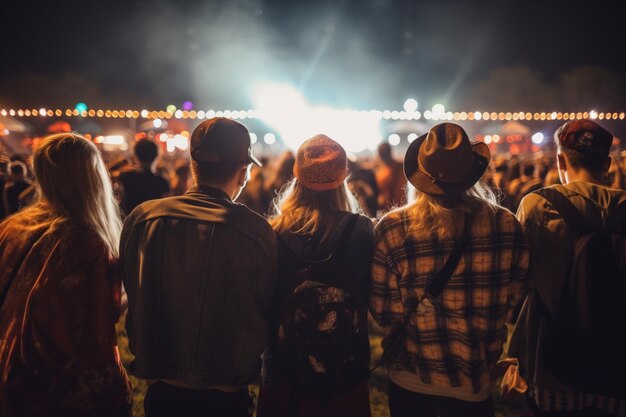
358	54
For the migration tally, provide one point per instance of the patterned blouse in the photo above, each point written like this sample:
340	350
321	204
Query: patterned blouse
59	301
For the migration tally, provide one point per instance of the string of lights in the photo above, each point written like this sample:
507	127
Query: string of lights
256	114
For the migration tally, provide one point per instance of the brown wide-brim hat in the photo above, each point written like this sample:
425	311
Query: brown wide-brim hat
444	161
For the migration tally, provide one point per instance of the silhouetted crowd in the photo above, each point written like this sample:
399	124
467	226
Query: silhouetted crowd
230	268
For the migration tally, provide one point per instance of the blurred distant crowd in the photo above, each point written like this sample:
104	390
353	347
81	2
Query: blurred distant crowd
377	181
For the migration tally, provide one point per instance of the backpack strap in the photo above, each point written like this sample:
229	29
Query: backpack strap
342	244
616	222
441	280
568	211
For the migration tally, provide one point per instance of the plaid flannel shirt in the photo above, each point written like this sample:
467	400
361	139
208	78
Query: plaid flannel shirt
457	342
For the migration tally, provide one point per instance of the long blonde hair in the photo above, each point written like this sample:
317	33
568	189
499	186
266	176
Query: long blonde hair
300	210
73	185
444	216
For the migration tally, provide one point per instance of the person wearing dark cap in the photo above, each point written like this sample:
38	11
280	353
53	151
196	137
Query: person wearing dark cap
582	159
317	365
200	271
448	270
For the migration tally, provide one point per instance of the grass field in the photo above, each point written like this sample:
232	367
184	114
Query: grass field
378	382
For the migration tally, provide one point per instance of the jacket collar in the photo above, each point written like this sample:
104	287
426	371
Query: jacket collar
210	191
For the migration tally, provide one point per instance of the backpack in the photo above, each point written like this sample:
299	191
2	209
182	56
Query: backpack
585	346
322	330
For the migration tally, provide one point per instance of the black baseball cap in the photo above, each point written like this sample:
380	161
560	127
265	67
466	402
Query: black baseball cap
221	140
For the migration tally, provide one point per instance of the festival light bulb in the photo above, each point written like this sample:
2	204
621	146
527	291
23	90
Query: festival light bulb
537	138
410	105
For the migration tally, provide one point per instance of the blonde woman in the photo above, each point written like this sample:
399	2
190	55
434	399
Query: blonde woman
447	270
317	361
59	291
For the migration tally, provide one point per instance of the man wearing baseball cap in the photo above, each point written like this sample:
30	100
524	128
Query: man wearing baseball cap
200	270
583	149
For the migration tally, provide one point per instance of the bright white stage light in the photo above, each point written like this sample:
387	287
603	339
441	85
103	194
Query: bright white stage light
537	138
285	109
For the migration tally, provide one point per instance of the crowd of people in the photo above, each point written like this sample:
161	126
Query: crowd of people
230	268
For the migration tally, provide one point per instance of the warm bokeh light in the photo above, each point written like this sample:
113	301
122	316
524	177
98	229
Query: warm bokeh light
537	138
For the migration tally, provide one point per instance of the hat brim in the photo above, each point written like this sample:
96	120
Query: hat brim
254	160
482	156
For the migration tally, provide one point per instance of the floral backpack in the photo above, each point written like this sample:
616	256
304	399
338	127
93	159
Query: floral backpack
323	326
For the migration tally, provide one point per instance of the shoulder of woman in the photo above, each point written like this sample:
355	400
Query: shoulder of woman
81	239
365	223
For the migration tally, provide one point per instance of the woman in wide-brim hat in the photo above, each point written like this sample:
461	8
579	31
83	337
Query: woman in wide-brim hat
452	339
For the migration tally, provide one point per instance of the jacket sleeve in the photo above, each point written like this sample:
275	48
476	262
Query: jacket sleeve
267	263
385	300
128	256
549	254
519	272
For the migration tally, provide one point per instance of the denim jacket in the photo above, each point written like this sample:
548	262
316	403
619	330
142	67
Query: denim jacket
200	272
